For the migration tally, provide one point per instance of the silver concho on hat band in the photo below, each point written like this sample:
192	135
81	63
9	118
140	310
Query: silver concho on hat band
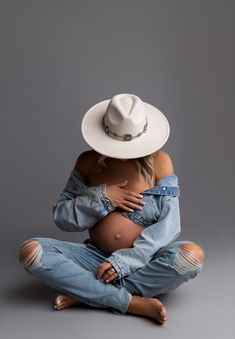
125	137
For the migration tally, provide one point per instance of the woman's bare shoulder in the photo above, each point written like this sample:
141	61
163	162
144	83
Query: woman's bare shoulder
163	164
85	161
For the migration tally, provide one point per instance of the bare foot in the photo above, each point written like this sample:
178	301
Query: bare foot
149	307
64	301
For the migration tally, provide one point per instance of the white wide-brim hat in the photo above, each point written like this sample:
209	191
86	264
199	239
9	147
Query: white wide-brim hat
125	127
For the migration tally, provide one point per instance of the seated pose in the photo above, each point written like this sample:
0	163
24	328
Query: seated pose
125	192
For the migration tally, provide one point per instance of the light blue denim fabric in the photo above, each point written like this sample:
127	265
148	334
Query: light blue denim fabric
70	268
150	212
80	207
154	265
162	215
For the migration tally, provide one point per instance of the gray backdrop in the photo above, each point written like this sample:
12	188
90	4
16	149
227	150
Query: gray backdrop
58	58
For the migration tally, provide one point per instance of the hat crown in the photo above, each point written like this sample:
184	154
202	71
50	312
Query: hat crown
125	127
125	117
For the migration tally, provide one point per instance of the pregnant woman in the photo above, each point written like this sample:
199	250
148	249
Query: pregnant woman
125	192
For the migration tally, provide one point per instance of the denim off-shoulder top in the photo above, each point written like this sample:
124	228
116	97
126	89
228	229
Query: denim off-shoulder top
79	207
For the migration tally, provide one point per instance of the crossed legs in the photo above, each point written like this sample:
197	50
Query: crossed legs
188	257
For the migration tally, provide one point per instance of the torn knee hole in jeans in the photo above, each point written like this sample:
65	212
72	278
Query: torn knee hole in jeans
35	254
186	260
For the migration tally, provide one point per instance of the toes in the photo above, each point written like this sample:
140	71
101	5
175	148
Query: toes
61	306
161	322
163	312
58	299
63	301
161	319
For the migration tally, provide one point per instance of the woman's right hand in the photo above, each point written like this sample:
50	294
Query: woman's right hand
123	198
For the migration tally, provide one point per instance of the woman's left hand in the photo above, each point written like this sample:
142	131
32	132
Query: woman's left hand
106	272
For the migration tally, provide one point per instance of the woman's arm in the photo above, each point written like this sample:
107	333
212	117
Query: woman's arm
79	206
166	229
150	240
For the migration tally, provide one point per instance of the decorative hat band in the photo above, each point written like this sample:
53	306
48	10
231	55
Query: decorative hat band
125	137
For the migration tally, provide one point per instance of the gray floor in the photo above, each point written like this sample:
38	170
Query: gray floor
201	308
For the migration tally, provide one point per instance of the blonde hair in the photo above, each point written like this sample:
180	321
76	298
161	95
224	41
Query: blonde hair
144	164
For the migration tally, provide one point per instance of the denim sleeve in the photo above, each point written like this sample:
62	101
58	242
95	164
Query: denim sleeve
79	207
150	240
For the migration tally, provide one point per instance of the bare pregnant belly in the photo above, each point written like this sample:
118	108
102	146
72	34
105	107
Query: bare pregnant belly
114	231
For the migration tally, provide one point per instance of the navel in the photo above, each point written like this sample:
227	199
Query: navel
117	236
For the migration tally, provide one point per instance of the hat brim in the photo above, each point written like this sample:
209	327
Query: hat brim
157	133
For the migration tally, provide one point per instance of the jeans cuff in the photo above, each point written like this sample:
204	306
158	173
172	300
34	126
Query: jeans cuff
119	266
107	202
125	306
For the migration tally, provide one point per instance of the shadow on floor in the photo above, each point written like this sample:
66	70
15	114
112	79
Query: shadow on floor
35	292
29	292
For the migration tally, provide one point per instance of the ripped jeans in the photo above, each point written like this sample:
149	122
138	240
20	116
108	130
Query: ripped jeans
70	267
